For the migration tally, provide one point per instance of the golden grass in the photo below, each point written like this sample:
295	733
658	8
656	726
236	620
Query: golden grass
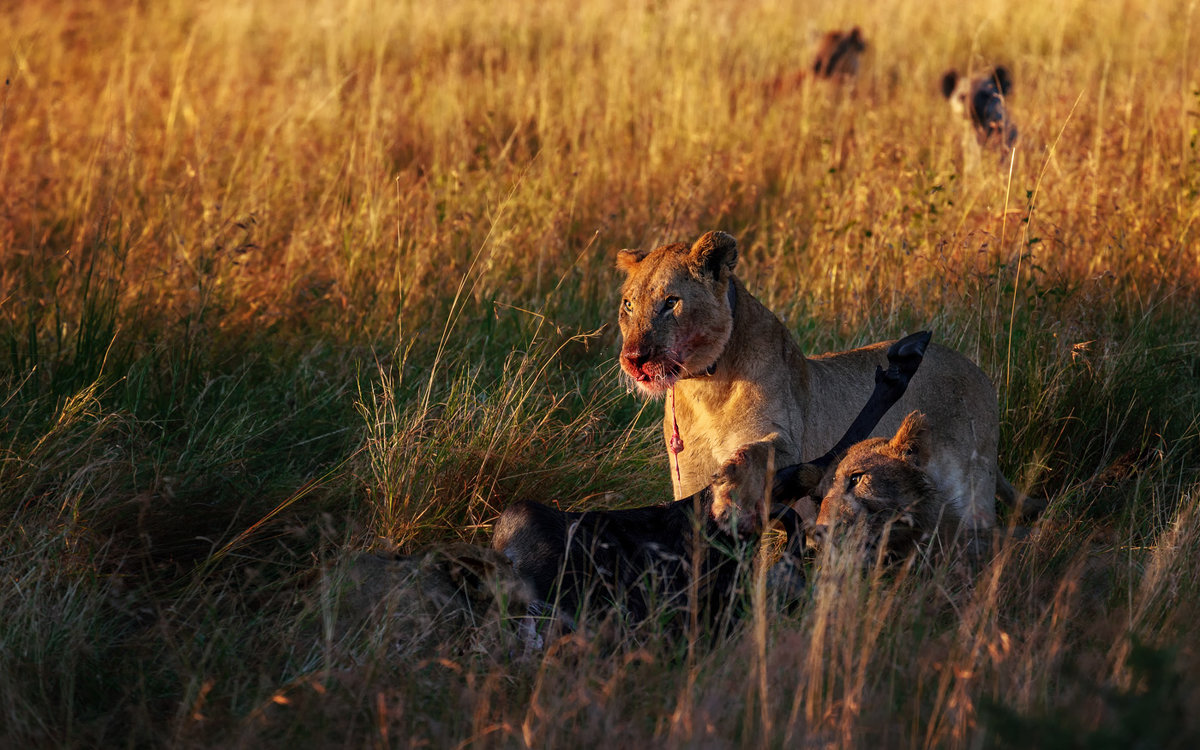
278	280
287	162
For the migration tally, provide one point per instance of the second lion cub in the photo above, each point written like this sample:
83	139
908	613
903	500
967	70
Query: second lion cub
882	483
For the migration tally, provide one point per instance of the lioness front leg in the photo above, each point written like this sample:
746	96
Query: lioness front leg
741	487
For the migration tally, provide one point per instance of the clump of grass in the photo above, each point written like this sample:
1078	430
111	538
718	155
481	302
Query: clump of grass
451	451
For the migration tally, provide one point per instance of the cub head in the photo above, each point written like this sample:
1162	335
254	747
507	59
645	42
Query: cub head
675	313
882	484
982	101
838	54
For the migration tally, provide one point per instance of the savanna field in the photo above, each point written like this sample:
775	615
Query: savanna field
285	283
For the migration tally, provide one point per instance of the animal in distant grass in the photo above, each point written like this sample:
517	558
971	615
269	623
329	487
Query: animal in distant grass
838	54
661	557
983	101
837	59
734	375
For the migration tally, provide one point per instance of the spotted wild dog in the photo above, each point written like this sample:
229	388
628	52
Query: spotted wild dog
983	101
838	54
837	59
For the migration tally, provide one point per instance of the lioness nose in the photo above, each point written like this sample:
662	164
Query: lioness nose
816	536
635	359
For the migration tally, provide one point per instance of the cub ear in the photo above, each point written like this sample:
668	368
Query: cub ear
713	253
911	441
856	38
949	82
1003	79
627	259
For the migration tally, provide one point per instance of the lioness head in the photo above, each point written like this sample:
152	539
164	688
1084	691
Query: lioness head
883	485
675	313
981	100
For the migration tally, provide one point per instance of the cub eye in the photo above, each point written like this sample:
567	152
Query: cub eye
854	479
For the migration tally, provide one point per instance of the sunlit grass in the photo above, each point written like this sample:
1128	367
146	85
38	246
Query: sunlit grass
280	283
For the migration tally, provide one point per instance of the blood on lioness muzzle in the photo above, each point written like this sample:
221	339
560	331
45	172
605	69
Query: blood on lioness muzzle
650	371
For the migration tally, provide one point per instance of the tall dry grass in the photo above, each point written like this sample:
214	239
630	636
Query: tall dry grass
283	281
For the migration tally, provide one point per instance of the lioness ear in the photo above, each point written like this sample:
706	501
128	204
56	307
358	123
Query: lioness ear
627	259
912	439
714	252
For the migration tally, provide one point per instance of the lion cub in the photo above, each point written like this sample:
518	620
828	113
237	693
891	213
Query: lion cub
882	483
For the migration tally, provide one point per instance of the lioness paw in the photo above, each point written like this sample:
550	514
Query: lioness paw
740	489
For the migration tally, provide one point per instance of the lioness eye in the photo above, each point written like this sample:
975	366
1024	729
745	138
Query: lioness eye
854	479
669	304
626	305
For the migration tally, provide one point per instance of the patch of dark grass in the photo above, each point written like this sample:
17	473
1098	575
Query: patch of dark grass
1152	711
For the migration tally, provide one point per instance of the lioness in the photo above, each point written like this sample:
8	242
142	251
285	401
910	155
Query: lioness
882	483
736	376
